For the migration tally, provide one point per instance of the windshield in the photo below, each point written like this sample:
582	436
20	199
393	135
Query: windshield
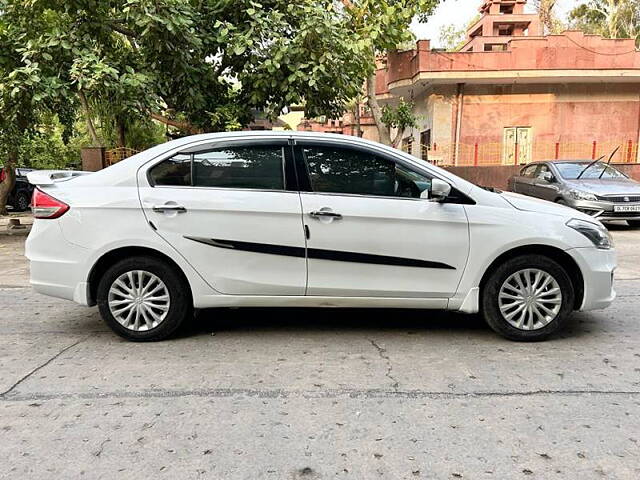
571	170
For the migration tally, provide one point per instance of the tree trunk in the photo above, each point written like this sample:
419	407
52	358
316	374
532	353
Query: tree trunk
122	132
9	180
376	111
87	116
398	138
545	12
357	118
175	123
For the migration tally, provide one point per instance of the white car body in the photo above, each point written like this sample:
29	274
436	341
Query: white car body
448	246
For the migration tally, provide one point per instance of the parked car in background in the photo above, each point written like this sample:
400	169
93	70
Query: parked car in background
597	189
307	220
20	197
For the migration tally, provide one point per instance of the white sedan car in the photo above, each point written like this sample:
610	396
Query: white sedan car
290	219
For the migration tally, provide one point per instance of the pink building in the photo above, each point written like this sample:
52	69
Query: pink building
512	95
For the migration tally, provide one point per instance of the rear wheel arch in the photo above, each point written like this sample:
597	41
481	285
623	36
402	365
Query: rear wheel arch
113	256
561	257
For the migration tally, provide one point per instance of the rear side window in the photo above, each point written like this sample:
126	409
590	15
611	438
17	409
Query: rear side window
259	167
250	167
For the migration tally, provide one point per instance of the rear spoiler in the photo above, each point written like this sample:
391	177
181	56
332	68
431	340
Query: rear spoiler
50	177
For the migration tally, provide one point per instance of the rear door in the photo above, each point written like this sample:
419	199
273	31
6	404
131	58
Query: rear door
231	211
524	182
370	232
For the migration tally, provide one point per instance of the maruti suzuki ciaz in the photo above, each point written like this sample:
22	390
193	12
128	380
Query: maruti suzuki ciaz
291	219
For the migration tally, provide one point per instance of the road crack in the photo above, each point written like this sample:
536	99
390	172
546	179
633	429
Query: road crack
383	354
40	367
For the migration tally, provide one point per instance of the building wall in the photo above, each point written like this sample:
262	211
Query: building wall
571	115
556	113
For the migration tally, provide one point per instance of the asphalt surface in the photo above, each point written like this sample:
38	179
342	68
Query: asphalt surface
317	394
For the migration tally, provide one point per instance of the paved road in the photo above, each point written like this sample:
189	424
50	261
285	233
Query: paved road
317	394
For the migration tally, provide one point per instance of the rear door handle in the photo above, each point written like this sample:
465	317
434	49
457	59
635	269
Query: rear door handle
169	208
323	213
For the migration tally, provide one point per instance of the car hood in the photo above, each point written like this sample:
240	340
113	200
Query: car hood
617	186
530	204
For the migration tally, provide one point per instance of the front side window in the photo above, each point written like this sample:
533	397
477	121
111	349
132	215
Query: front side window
541	171
346	171
247	167
528	171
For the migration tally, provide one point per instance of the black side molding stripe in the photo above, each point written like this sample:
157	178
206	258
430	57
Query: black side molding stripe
319	254
374	259
252	247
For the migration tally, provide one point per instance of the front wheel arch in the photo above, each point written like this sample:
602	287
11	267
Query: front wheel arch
113	256
560	256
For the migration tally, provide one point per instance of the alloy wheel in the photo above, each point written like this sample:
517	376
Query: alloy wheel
139	300
530	299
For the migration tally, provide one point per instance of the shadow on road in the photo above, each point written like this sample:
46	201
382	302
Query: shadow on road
411	321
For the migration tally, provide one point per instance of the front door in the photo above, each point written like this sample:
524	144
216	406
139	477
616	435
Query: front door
544	185
229	212
371	232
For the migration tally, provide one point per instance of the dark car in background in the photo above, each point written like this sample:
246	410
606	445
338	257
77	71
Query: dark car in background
595	188
20	196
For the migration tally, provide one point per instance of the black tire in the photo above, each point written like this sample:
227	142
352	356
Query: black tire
491	289
21	202
180	306
561	201
633	223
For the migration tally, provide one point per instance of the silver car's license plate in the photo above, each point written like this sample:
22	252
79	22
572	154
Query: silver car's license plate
626	208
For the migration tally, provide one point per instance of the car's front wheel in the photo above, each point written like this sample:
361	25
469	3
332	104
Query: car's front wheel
527	298
143	299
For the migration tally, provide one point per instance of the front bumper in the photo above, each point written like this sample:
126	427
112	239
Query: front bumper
597	267
604	211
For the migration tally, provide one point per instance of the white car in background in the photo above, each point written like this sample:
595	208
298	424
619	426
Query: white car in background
307	220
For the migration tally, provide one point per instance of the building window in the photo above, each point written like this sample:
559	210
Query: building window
407	144
425	144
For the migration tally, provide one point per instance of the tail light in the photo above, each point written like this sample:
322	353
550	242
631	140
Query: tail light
2	175
44	205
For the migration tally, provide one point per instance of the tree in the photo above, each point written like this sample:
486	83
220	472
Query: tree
377	27
30	87
399	118
609	18
550	23
452	38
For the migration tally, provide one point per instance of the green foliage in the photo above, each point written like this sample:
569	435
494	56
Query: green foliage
609	18
400	116
452	38
207	64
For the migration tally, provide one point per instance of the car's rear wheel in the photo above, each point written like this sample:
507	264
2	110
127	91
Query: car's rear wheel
143	299
22	202
634	223
527	298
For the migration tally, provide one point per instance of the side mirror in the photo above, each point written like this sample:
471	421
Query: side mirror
548	177
440	190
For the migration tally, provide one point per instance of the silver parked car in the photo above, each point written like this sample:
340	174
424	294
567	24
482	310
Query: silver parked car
594	188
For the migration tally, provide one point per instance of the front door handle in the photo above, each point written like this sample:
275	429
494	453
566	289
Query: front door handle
169	208
325	214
